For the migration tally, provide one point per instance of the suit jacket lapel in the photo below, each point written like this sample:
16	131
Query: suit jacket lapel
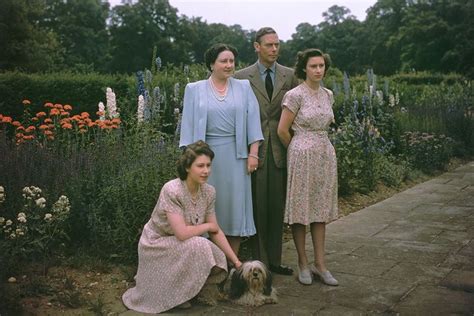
280	79
256	80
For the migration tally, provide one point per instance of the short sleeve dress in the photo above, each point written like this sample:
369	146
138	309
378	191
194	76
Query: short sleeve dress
171	272
312	166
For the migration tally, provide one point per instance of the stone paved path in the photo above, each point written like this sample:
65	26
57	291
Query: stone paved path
412	254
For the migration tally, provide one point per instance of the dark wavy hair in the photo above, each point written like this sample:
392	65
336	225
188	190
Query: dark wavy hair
302	60
190	153
212	52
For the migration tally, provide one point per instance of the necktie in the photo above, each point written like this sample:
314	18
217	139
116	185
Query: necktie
269	83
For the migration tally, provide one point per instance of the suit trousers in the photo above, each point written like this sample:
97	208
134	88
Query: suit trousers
269	194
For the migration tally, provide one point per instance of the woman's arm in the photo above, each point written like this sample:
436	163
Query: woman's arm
221	241
286	120
252	160
183	231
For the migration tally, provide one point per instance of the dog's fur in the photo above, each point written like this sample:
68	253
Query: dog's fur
251	285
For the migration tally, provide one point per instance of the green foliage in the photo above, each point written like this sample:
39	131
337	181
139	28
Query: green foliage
84	91
392	171
427	152
440	109
31	232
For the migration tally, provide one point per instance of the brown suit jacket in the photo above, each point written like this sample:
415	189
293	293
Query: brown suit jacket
270	112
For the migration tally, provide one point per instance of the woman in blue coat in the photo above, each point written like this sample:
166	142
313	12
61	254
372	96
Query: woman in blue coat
224	112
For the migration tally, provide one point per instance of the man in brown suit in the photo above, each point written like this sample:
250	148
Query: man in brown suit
269	81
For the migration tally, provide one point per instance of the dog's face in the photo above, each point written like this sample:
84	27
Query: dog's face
252	276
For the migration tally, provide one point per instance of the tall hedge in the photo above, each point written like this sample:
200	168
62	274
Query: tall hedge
82	91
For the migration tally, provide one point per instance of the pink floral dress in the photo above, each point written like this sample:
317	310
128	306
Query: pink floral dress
311	194
170	271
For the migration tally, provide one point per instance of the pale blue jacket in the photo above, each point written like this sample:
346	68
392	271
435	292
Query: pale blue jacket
247	121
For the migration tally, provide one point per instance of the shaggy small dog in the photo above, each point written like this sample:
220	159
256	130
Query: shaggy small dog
251	285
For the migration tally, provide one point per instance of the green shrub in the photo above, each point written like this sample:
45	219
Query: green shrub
428	152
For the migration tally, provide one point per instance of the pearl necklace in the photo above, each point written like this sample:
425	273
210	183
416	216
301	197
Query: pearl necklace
219	94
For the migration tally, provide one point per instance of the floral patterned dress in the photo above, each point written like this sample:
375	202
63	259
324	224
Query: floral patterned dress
312	166
170	271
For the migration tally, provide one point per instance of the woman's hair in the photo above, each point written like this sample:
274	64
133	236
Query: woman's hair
190	153
212	52
302	60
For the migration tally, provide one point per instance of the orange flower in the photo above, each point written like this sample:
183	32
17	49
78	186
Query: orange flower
114	126
54	111
100	113
48	120
19	135
48	133
26	102
30	128
40	114
67	107
20	128
91	124
84	115
1	117
116	120
66	126
28	137
6	119
51	126
35	119
48	105
16	123
43	127
58	106
77	118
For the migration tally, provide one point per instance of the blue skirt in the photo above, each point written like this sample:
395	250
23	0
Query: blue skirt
229	177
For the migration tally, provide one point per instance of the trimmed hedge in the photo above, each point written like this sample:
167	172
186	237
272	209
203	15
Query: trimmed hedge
82	91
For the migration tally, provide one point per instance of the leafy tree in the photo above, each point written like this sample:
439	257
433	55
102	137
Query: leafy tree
136	29
25	46
81	28
383	21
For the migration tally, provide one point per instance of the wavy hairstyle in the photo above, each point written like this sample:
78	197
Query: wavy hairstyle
190	153
302	60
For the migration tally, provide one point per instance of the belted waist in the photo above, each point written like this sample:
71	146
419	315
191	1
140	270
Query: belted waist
316	133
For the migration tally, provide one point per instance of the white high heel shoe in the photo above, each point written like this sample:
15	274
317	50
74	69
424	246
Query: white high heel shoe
325	276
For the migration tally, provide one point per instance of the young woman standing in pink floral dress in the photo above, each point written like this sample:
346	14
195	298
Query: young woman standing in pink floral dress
311	197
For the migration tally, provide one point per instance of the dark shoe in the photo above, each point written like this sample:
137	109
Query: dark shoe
281	269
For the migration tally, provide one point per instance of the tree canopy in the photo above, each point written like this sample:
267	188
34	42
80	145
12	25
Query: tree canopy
89	35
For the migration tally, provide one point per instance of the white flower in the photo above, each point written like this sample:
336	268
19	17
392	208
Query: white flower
8	223
22	219
2	194
141	108
2	220
391	100
102	110
48	217
41	202
62	205
12	236
111	104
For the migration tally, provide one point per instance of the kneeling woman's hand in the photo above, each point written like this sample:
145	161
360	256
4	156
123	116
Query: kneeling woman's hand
213	228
